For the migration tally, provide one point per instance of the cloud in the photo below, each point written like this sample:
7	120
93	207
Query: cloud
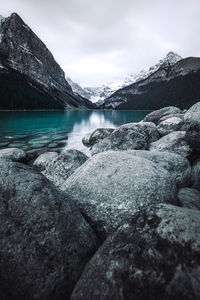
98	41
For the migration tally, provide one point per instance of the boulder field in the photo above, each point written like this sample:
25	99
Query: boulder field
121	224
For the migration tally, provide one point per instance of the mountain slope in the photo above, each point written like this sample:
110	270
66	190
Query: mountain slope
177	84
23	53
98	94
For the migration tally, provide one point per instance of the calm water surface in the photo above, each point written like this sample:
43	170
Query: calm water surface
57	130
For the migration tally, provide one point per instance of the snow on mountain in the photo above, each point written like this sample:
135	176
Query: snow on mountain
98	94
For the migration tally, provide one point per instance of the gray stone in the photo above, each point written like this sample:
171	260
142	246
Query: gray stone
178	166
172	142
14	154
113	185
44	240
189	198
96	136
169	125
193	114
156	115
155	256
196	175
192	136
42	161
128	136
57	170
181	116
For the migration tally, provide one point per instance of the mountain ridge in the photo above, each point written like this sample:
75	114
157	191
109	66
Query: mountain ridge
178	82
104	91
23	52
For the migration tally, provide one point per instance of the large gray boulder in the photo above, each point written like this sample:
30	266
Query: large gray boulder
189	198
156	115
155	256
44	240
169	125
96	136
196	175
128	136
62	166
193	114
177	165
113	185
44	159
172	142
13	154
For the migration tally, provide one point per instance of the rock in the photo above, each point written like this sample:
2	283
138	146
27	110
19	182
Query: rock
57	170
42	161
34	153
113	185
189	198
13	154
128	136
192	136
169	125
193	114
156	115
155	256
172	142
178	166
96	136
150	130
196	175
44	240
181	116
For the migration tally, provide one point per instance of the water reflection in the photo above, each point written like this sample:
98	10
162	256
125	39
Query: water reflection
95	120
55	130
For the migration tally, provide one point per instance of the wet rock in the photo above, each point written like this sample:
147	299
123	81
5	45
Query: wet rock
3	144
155	256
113	185
52	145
178	166
156	115
14	154
169	125
34	153
196	175
172	142
44	240
189	198
42	161
128	136
96	136
58	169
193	114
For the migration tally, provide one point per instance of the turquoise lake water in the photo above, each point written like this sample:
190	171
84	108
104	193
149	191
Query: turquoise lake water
57	130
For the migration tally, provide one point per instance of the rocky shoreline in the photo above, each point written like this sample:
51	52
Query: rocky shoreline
122	224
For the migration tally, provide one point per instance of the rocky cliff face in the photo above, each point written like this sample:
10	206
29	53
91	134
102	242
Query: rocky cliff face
22	51
173	83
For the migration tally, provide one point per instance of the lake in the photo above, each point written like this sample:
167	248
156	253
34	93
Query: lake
57	130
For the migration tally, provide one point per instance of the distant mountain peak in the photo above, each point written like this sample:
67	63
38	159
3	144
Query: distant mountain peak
98	94
170	59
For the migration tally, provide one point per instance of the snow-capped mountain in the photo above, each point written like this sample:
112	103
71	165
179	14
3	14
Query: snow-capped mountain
174	84
98	94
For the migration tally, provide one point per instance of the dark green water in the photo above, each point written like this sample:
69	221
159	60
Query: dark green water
55	130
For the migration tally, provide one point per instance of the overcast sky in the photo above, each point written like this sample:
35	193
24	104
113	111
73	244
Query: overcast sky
98	41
